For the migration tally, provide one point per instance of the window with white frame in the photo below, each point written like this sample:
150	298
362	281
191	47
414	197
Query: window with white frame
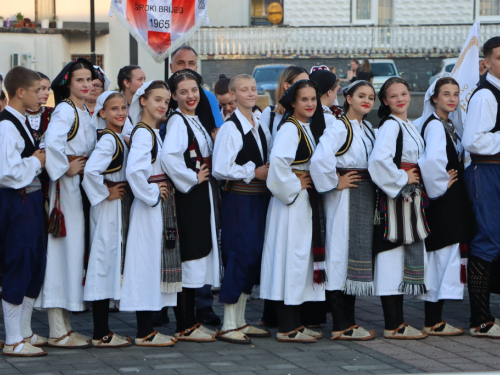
364	11
488	10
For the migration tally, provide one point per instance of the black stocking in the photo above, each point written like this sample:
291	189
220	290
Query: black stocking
184	311
478	280
350	305
100	312
144	324
286	316
433	312
337	303
393	311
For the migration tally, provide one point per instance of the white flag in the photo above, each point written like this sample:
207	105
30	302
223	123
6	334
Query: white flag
466	71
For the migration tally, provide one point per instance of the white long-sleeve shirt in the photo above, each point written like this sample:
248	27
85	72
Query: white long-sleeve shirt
434	160
229	143
15	172
481	118
383	171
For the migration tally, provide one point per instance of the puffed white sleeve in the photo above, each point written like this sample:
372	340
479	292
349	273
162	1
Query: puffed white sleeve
324	161
434	160
384	173
172	155
139	168
93	183
228	144
127	128
56	136
281	181
15	172
481	118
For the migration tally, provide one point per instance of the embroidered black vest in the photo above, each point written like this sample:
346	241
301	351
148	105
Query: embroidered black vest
76	124
154	149
347	144
450	217
304	150
118	157
489	86
29	147
250	150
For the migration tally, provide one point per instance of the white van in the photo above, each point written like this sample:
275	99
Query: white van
445	68
382	69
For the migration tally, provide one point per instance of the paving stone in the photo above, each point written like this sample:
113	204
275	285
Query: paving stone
367	368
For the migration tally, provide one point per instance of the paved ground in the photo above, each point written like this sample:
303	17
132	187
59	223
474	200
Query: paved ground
267	356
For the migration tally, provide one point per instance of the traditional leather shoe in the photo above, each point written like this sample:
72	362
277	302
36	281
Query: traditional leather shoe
112	340
194	334
295	336
447	330
309	332
234	336
354	333
407	333
490	330
36	340
252	331
155	339
27	350
206	316
68	341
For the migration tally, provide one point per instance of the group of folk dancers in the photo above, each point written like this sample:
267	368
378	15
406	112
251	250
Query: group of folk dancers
144	199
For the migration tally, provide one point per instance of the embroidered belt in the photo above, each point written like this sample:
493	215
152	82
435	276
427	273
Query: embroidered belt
159	178
208	162
408	166
255	187
31	188
74	157
112	184
485	159
362	173
297	172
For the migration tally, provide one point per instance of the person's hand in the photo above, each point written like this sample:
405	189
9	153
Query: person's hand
163	191
203	174
453	177
413	177
305	181
40	155
348	180
214	133
76	166
117	192
261	172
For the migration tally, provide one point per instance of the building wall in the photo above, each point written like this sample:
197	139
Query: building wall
432	12
315	13
229	13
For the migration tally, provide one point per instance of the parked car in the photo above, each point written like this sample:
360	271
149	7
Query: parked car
445	68
383	69
267	77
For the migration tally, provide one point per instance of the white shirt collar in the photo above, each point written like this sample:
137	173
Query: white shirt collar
245	124
327	110
21	117
493	80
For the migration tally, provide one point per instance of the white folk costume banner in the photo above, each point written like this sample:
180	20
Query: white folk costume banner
160	26
466	71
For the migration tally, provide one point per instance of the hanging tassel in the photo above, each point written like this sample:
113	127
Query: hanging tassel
56	224
319	277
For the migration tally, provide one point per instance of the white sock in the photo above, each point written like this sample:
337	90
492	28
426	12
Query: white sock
26	312
229	317
56	323
67	323
240	310
12	319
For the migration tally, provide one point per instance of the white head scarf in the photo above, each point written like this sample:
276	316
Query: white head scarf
107	82
135	109
97	121
455	117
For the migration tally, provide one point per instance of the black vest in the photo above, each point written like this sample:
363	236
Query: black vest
250	150
118	157
29	147
450	217
154	149
304	150
489	86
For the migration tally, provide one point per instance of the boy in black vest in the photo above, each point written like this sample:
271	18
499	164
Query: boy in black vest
240	157
481	139
22	234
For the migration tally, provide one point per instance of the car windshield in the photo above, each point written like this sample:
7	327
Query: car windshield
449	68
268	74
383	69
